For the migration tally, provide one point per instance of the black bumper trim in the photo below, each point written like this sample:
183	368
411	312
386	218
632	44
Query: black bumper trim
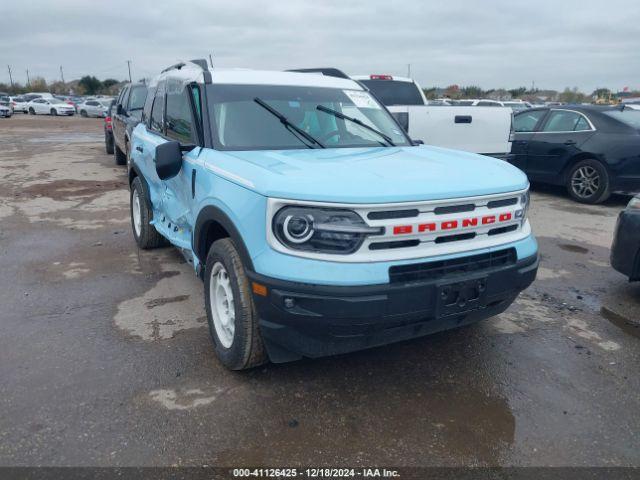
303	320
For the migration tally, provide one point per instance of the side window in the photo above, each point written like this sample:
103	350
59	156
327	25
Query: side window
488	104
146	111
582	125
180	125
92	103
125	97
526	121
157	112
563	121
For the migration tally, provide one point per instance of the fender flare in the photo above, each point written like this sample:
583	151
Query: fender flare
211	214
134	171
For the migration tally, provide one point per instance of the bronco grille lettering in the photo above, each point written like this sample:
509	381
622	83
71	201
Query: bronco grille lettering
453	224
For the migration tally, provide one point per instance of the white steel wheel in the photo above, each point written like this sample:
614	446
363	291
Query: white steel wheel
136	212
222	304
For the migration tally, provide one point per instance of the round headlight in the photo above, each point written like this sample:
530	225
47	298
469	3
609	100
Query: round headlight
298	228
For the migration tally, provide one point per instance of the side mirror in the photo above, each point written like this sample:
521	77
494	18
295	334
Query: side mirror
418	142
168	160
119	109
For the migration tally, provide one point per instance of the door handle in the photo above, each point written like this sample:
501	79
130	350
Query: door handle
570	142
140	149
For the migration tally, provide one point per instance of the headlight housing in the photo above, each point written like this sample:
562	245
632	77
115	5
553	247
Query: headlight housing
321	230
523	211
634	203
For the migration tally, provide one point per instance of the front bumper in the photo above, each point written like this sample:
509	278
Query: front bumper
625	251
302	320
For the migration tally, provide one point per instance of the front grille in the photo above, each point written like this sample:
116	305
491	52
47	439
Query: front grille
452	267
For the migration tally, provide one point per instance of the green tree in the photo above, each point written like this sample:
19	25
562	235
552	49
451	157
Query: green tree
572	95
472	91
109	82
90	85
517	92
38	84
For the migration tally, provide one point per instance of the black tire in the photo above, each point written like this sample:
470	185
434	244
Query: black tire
53	112
588	182
108	143
246	349
83	113
147	237
31	111
119	157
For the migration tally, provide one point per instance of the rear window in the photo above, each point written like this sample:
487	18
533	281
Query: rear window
628	117
391	92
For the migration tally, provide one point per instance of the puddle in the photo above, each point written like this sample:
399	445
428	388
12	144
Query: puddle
569	247
68	138
621	322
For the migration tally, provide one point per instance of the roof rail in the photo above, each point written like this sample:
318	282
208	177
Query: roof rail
200	62
327	72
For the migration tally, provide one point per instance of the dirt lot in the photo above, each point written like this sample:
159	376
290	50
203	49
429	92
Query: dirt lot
105	357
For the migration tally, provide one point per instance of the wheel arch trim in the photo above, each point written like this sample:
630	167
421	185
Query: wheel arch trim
212	214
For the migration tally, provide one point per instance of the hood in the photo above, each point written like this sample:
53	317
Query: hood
371	175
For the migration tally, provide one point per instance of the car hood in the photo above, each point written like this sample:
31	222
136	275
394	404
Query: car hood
369	175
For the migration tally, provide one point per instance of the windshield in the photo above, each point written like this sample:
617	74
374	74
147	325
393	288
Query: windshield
137	98
55	101
241	123
627	116
391	92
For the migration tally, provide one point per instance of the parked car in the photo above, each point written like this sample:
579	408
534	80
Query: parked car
34	95
49	106
94	107
593	151
5	100
108	132
625	251
5	111
19	104
126	115
478	130
316	223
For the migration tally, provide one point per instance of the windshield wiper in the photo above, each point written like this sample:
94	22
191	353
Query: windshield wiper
335	113
287	123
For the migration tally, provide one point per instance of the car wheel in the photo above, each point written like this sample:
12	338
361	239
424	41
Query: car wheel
588	182
119	156
83	113
108	143
231	314
53	112
145	234
31	111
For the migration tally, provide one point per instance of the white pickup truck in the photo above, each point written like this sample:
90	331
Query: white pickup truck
477	129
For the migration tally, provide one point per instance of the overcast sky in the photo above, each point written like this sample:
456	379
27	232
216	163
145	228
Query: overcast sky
490	43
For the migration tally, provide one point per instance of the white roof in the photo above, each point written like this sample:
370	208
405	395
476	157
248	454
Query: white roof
240	76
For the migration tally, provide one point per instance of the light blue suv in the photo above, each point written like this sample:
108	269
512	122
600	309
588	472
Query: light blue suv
318	226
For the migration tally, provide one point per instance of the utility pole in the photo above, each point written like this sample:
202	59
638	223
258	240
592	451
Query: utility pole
10	77
409	70
61	74
129	67
28	81
211	60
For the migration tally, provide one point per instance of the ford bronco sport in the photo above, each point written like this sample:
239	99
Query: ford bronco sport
317	225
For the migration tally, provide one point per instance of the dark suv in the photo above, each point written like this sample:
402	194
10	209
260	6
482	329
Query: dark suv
125	115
